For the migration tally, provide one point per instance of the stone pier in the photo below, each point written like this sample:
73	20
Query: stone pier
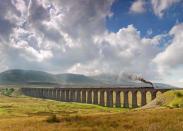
67	97
143	98
126	104
118	100
110	98
102	102
78	98
95	97
72	95
83	96
89	97
134	99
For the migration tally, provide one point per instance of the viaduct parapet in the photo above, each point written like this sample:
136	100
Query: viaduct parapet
110	97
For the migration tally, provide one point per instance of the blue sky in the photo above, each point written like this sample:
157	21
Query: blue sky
146	21
94	37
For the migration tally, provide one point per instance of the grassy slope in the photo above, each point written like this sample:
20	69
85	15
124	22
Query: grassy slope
27	106
26	111
30	114
173	98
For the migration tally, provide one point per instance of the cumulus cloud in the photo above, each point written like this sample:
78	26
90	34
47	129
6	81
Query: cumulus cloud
70	36
124	51
171	57
138	6
160	6
169	62
56	34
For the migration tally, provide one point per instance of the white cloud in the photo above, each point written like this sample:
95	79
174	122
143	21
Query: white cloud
70	36
45	34
172	56
160	6
138	6
81	43
20	5
124	51
169	62
88	69
149	32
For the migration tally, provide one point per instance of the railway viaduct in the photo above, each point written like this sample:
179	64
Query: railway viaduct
103	96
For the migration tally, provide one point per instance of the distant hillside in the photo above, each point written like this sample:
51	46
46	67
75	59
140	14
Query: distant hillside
30	76
116	80
112	79
24	76
18	76
76	79
162	85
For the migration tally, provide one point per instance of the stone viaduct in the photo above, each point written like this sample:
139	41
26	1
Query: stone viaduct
103	96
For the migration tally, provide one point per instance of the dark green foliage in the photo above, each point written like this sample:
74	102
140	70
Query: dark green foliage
181	105
179	94
159	103
176	105
24	76
73	118
53	119
7	91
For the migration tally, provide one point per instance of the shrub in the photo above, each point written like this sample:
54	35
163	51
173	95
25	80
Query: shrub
159	102
127	126
53	119
176	105
179	94
7	91
114	124
181	105
73	118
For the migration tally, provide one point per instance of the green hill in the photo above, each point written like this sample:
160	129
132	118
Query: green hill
17	76
172	99
75	79
24	76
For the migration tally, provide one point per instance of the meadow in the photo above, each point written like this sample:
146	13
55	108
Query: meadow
22	113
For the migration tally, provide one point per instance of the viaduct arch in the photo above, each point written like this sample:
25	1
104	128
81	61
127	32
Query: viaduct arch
94	95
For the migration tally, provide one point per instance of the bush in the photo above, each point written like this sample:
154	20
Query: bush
73	118
179	94
7	91
176	105
159	102
53	119
181	105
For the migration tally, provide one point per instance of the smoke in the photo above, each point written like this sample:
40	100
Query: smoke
135	77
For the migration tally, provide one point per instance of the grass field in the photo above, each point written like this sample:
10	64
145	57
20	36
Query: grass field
20	113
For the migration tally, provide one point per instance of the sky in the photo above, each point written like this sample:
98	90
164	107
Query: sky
93	37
